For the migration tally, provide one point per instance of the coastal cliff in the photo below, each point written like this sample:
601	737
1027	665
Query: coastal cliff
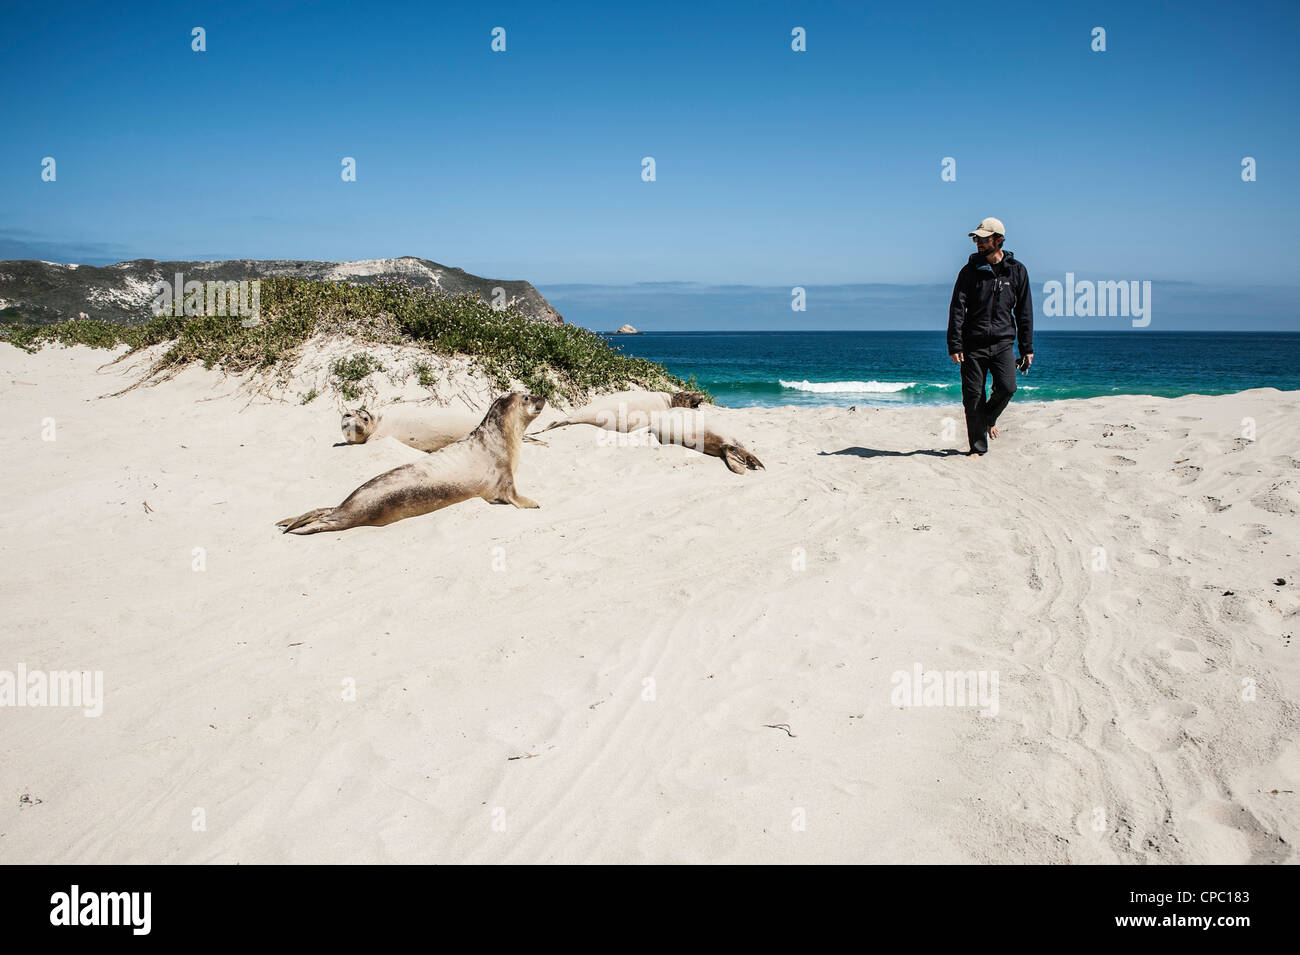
43	293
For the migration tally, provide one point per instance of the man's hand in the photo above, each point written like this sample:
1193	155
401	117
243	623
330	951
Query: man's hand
1028	359
957	358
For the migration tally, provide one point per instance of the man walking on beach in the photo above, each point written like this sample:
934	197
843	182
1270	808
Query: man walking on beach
991	308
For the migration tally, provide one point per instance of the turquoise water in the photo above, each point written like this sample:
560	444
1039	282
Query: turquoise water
910	368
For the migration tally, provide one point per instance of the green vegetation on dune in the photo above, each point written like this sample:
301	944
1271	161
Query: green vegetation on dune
550	360
424	375
353	370
96	334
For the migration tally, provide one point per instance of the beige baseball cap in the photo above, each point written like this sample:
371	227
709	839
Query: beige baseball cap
988	227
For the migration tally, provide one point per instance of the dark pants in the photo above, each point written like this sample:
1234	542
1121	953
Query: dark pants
982	413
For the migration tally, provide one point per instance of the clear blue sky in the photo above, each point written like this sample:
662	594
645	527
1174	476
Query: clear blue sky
774	167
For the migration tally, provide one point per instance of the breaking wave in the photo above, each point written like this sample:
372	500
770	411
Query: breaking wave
849	387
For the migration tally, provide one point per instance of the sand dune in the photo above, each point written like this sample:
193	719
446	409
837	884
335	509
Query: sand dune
667	662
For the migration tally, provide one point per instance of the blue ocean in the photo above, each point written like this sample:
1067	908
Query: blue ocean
770	368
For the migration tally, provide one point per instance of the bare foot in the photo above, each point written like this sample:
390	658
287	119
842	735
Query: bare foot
975	454
993	431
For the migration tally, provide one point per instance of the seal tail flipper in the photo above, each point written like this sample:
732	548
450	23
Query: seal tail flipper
737	459
300	524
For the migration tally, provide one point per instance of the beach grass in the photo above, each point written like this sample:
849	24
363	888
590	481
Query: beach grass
503	344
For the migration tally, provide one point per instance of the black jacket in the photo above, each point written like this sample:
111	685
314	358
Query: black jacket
991	303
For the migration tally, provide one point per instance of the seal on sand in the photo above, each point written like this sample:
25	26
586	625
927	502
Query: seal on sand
425	429
689	428
482	464
628	410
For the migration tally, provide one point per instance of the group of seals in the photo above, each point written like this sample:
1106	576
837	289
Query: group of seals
482	464
465	462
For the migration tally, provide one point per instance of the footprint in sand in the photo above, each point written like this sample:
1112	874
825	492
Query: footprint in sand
1239	837
1282	498
1183	654
1125	442
1150	559
1037	424
1163	730
1120	461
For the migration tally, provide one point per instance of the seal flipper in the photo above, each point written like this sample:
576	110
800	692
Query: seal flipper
298	525
509	495
737	458
556	424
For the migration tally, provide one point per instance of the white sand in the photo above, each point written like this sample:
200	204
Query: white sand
1121	734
